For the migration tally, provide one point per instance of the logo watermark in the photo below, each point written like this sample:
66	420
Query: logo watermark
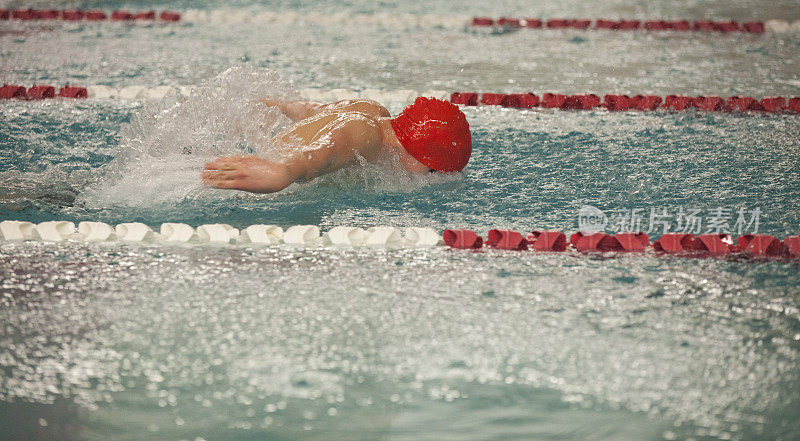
591	220
717	220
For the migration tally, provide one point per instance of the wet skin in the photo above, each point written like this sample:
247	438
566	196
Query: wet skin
323	139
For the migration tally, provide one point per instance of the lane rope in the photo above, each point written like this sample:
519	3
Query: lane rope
39	92
233	16
611	102
683	244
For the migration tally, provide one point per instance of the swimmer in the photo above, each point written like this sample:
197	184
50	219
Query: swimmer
430	135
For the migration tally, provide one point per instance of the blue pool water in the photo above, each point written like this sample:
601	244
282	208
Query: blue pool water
122	341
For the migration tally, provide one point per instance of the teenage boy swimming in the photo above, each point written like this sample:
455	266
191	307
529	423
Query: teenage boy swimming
429	135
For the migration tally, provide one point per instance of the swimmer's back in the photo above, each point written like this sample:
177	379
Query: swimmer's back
367	107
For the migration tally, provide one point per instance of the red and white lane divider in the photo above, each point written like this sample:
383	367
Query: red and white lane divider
394	20
514	100
37	92
93	15
41	91
233	16
754	245
624	102
753	27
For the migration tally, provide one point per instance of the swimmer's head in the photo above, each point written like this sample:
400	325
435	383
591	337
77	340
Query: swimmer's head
435	133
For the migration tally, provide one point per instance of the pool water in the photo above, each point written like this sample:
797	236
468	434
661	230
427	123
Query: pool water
139	341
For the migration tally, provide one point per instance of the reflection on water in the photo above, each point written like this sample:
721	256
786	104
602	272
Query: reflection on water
186	342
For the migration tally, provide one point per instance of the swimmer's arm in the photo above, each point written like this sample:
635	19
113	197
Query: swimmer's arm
258	175
296	110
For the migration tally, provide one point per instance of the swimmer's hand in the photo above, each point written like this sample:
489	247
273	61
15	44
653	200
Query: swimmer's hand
248	173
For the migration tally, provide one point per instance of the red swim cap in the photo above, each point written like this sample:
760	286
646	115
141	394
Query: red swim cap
435	133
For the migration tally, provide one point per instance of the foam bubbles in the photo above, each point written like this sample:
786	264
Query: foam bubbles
163	149
221	117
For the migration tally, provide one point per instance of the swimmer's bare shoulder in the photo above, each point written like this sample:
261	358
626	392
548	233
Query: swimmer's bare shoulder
298	110
368	107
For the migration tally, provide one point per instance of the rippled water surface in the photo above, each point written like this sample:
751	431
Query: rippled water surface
116	341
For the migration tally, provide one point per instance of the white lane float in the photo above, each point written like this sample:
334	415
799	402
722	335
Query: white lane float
158	92
777	26
11	230
302	235
262	234
345	236
133	92
101	91
96	231
134	232
177	232
220	234
422	237
386	237
55	231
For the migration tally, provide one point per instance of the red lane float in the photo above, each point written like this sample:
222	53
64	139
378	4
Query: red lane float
95	15
492	99
41	92
506	240
716	244
149	15
594	242
170	16
774	104
557	23
633	241
532	23
581	102
10	91
462	239
617	102
547	241
464	98
762	245
678	102
73	92
646	102
709	103
792	244
603	242
753	27
744	104
509	22
553	100
520	100
675	243
72	15
121	15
